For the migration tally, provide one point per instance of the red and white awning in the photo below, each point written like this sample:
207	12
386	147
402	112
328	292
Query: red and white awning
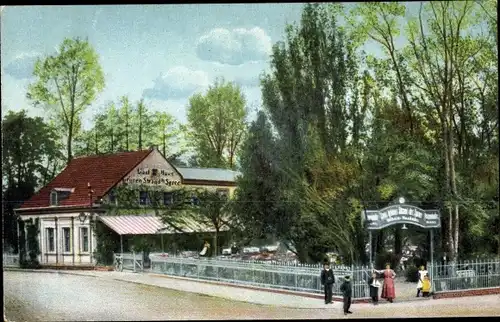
150	225
133	225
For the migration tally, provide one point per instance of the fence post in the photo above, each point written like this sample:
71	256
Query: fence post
133	259
180	269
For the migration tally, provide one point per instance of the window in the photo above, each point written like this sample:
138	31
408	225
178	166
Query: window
50	242
84	239
223	192
143	198
194	200
66	239
53	198
168	198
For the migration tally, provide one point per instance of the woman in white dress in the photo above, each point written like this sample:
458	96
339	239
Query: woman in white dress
421	273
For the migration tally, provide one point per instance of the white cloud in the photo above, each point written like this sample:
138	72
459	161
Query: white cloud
234	47
21	67
178	82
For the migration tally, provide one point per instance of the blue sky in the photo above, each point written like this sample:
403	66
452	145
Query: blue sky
163	53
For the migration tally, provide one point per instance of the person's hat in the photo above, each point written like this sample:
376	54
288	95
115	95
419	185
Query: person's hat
347	277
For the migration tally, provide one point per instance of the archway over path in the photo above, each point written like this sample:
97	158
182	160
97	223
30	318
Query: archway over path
402	214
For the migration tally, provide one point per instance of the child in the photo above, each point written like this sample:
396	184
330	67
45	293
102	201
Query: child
327	280
426	286
346	289
374	286
421	273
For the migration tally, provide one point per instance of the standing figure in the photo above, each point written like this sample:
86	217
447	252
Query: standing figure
327	280
388	290
205	251
421	273
426	286
374	286
346	289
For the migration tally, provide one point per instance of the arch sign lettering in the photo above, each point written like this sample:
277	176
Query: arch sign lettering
401	214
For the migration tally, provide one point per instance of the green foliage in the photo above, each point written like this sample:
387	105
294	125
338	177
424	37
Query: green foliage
107	243
217	124
30	158
411	273
66	84
123	127
189	209
32	243
256	197
286	185
384	257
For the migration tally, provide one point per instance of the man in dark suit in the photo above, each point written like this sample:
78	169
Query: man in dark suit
327	280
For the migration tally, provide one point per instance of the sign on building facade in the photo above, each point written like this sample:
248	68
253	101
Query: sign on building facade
401	214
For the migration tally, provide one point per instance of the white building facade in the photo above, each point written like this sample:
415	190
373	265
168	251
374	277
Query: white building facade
63	207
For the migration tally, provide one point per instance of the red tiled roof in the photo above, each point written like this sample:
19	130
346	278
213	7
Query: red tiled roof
101	171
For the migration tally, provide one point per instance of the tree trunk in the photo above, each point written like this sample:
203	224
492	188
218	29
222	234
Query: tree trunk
70	141
380	241
140	132
398	242
215	246
164	143
96	142
126	132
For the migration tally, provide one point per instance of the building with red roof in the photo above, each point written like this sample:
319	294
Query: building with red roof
77	196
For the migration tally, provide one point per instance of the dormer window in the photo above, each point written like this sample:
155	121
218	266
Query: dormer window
59	194
53	198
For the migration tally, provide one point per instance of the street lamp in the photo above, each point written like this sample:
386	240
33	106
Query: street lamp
82	217
401	200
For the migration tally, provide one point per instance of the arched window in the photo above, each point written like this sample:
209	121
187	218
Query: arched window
53	198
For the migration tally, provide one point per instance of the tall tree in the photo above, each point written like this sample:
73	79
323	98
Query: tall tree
67	83
257	195
30	157
217	120
125	121
378	21
306	96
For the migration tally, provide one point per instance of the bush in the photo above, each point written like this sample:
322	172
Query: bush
412	274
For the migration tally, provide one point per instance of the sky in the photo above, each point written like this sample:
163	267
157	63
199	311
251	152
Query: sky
162	53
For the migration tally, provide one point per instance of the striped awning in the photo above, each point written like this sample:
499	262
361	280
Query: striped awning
133	225
149	225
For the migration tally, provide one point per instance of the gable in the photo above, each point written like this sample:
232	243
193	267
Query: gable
154	170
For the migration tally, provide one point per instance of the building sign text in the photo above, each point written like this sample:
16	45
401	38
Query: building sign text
401	214
153	177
